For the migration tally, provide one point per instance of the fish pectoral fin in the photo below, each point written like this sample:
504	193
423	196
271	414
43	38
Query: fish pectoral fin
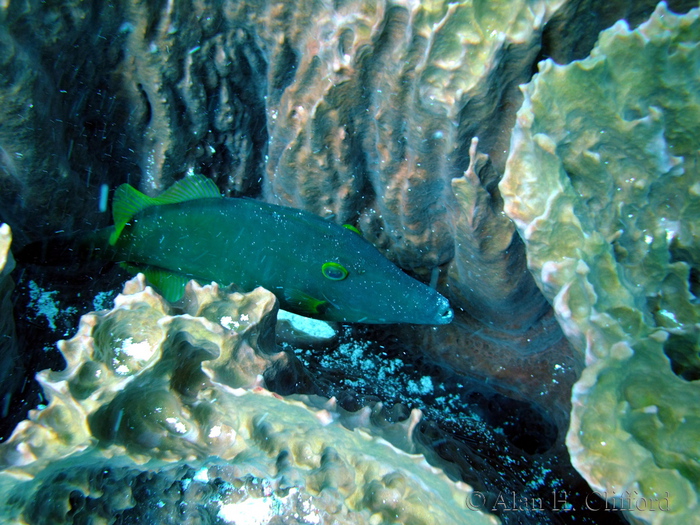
352	229
171	285
128	201
304	303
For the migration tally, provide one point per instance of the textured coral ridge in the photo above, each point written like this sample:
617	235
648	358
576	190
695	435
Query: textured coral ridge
147	393
374	116
602	183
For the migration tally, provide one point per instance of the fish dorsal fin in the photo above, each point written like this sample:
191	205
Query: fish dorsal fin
189	189
128	201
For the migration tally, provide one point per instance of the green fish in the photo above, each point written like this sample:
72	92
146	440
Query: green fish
315	267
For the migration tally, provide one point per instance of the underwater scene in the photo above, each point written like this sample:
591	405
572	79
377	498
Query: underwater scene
349	262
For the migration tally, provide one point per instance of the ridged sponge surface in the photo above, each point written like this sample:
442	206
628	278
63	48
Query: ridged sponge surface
160	416
603	184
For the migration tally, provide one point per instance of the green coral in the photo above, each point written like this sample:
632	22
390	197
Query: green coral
603	184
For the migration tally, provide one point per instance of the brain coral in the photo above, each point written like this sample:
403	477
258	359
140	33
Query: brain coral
160	415
603	184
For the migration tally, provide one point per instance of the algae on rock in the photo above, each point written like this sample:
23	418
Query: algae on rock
603	183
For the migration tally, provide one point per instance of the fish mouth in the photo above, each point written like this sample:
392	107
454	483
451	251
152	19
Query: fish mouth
445	315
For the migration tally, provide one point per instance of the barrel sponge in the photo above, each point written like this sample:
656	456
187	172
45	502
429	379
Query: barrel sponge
603	184
161	407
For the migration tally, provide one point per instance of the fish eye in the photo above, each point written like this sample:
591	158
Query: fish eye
334	271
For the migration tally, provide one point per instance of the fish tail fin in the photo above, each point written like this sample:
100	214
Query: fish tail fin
60	248
128	201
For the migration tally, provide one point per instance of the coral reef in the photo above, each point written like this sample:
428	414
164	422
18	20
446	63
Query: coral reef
394	116
602	183
360	111
371	127
380	101
37	162
573	30
152	402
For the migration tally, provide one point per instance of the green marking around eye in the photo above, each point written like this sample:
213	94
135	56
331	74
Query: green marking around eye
334	271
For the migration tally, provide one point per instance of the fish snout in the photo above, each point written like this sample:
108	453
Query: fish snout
445	315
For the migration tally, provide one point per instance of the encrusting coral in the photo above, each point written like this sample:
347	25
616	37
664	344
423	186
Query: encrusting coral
602	183
151	399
